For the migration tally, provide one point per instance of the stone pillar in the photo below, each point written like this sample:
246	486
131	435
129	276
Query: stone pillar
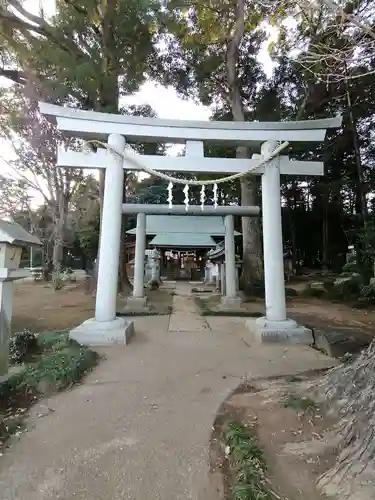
110	233
275	326
230	300
106	328
6	292
230	262
217	277
155	268
139	264
222	278
272	238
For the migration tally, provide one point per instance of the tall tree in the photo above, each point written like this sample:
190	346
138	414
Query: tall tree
210	53
34	143
87	54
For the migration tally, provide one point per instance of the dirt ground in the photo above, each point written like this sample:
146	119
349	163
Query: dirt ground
298	445
314	312
37	307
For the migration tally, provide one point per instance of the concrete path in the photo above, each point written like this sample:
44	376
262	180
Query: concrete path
139	427
185	316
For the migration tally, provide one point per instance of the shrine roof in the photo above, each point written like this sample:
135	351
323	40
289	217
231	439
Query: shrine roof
167	224
183	240
14	234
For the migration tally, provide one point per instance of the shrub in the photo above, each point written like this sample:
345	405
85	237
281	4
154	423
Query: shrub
313	291
350	267
290	292
347	290
21	345
366	298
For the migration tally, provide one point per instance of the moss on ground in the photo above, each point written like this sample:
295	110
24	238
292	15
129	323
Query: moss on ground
208	307
246	462
299	403
150	312
58	364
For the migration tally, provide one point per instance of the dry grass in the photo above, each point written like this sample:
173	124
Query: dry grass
37	307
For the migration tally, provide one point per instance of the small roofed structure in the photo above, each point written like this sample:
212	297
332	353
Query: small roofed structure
13	238
184	241
14	234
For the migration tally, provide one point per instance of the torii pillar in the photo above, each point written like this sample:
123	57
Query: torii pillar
105	328
275	326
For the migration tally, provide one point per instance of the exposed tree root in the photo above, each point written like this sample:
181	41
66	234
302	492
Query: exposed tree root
349	390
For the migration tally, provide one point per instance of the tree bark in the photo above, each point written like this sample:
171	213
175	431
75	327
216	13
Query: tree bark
59	227
108	101
252	268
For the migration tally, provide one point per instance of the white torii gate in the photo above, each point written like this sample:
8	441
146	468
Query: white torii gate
106	327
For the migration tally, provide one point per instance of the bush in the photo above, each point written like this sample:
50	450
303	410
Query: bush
348	290
350	267
290	292
60	369
61	363
367	297
328	284
314	292
21	345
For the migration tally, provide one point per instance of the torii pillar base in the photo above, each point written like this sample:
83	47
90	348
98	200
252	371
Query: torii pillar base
103	333
287	331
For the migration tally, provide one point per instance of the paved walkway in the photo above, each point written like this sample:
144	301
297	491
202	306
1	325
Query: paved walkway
139	427
185	316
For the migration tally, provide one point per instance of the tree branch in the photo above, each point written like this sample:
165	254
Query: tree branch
353	19
39	21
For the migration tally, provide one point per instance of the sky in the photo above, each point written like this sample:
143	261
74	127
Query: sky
165	101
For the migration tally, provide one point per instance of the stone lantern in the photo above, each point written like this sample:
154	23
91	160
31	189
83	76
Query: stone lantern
13	238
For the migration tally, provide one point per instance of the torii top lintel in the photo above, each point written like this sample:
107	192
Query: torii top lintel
96	125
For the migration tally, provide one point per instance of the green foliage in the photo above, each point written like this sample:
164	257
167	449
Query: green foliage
61	363
84	54
10	424
347	290
60	369
366	297
313	292
246	457
350	267
88	235
21	345
208	309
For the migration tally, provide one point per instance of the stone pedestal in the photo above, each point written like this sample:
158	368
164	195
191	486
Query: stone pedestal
136	304
230	303
102	333
287	331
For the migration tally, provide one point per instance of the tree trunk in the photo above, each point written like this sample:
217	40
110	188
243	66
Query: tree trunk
124	285
252	263
360	194
61	211
108	101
